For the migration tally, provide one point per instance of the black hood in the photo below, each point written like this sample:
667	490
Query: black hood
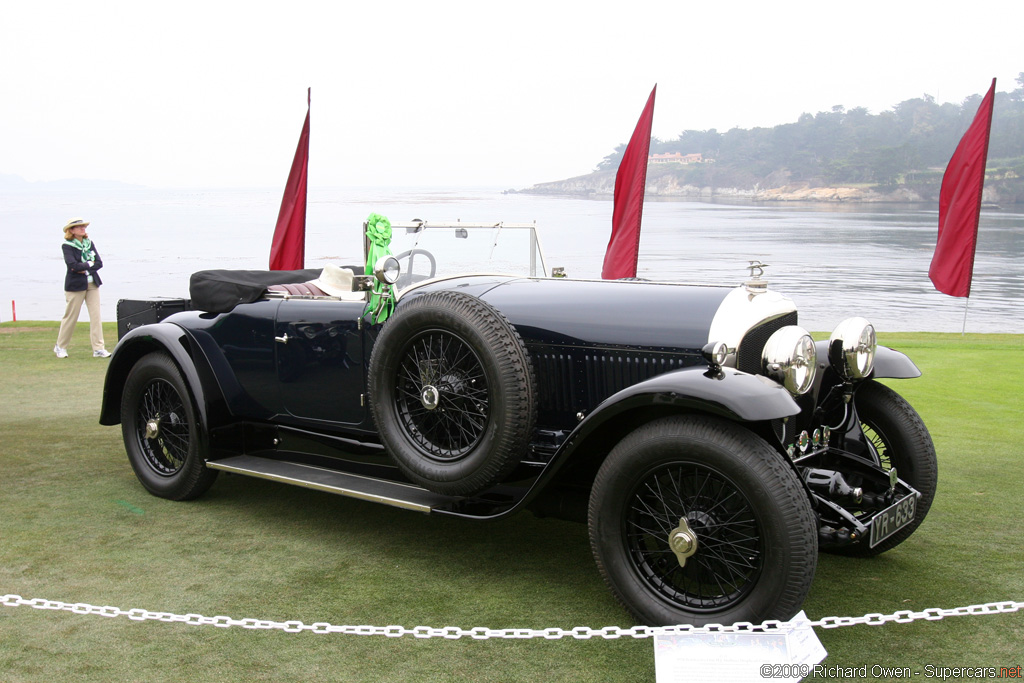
608	313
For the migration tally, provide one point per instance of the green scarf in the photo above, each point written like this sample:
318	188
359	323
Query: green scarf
378	230
84	246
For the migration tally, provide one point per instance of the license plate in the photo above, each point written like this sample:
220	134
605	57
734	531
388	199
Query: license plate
892	519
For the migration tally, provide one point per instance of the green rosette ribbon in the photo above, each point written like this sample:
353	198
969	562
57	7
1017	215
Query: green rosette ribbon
378	231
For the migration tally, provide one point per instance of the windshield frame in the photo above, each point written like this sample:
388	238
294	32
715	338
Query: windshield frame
484	236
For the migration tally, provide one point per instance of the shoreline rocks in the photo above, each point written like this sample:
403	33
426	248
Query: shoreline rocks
601	185
1006	189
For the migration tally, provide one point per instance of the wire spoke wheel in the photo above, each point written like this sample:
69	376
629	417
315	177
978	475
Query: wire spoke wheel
898	437
442	398
730	556
695	520
452	392
162	428
162	434
878	443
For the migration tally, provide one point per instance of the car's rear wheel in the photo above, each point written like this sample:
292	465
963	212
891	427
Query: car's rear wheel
451	391
899	438
694	520
161	432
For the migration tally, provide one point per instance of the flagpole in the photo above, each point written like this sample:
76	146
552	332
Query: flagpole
963	331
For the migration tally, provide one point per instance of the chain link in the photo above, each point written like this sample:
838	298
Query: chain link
483	633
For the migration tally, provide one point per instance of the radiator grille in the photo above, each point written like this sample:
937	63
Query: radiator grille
749	353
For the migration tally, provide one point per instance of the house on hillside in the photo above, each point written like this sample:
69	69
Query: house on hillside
675	158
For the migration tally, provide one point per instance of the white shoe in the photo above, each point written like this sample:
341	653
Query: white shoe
61	353
102	353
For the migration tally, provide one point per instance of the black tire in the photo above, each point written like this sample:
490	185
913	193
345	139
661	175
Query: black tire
757	542
459	355
161	432
900	439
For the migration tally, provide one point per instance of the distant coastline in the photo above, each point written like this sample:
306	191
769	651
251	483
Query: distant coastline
842	155
601	185
10	182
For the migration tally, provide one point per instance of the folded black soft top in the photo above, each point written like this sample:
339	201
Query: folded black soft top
219	291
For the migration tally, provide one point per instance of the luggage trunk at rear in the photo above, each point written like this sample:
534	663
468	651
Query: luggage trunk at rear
132	313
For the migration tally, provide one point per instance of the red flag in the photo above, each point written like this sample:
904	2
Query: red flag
960	206
288	251
624	245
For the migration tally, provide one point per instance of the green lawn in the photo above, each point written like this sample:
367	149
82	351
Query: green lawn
76	526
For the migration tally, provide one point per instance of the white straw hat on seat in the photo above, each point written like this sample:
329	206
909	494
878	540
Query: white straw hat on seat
337	281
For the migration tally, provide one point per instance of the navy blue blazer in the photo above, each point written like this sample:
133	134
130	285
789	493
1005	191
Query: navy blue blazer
78	270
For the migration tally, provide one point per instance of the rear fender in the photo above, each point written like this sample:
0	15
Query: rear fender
172	340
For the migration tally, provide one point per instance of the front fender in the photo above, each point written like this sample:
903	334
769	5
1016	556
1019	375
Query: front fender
730	393
889	363
893	364
168	338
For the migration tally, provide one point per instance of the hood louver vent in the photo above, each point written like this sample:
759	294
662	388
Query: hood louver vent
573	381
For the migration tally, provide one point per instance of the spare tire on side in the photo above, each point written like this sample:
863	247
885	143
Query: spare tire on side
452	392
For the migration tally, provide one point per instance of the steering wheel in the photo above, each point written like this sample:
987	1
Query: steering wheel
407	272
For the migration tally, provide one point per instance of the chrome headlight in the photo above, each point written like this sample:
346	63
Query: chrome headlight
851	348
789	358
387	269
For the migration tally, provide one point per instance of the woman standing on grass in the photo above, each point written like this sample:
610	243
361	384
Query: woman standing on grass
82	283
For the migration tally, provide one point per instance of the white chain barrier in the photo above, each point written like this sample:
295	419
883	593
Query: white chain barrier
482	633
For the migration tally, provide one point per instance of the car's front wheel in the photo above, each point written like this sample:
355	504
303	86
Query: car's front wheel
898	438
161	432
695	520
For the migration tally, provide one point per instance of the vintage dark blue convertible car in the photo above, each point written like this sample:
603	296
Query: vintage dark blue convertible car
709	443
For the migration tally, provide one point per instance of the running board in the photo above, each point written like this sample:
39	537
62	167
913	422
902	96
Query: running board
391	493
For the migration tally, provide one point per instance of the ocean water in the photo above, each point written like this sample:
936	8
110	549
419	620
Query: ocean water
834	261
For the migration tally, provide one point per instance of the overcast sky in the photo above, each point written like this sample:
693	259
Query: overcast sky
506	94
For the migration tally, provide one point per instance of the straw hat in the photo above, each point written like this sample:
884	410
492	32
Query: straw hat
336	281
76	223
